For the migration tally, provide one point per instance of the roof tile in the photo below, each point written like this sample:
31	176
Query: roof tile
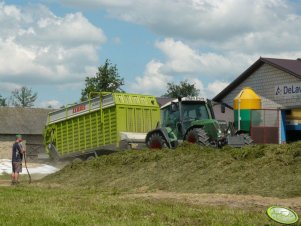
17	120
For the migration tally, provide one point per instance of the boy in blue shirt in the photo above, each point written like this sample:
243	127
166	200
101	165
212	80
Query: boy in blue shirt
17	157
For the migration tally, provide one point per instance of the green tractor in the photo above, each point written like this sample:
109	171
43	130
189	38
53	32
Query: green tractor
193	120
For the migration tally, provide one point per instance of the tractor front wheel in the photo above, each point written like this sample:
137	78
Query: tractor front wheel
199	136
156	141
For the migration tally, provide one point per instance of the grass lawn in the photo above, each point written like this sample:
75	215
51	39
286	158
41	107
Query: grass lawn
28	205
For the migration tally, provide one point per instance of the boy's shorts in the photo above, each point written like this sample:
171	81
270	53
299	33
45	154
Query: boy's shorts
17	167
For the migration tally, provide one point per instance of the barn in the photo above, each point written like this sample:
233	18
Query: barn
278	83
29	122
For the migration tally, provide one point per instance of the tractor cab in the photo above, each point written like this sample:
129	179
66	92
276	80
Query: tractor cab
182	113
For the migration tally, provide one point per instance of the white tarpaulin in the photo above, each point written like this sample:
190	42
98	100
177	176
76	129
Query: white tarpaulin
33	168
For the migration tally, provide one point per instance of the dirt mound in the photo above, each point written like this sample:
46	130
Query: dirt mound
266	170
236	201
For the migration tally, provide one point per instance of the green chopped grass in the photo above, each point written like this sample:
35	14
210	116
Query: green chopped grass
267	170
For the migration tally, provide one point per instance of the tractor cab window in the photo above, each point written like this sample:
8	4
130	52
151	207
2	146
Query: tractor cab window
194	111
170	117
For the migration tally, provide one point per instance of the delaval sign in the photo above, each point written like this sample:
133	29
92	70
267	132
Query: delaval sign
288	90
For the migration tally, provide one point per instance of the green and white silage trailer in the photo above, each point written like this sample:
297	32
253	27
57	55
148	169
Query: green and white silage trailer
109	122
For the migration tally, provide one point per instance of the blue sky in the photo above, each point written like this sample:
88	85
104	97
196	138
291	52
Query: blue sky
52	45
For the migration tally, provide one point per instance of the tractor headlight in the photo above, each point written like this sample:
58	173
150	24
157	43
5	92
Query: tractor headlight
219	133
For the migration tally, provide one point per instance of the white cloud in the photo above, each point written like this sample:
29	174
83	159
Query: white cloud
182	59
36	46
152	82
183	63
198	84
208	71
212	40
210	90
215	87
55	104
253	27
97	3
72	29
8	87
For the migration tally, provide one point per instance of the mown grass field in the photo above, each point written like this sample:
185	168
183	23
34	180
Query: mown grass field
37	206
107	190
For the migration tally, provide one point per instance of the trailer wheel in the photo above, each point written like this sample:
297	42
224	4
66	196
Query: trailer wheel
91	157
197	135
77	160
156	141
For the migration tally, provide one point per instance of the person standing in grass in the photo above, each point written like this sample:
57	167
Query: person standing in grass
17	157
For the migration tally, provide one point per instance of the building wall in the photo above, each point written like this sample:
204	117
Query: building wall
264	82
32	143
228	116
6	142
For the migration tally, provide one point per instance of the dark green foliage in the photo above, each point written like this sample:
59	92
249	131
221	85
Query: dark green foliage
23	97
3	101
105	80
184	89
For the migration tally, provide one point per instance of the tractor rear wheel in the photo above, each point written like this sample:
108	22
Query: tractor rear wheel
156	141
199	136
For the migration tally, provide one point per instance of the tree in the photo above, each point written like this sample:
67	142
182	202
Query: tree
3	101
23	97
184	89
105	80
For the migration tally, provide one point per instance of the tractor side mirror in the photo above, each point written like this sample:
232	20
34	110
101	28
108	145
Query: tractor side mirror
223	108
174	107
158	125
